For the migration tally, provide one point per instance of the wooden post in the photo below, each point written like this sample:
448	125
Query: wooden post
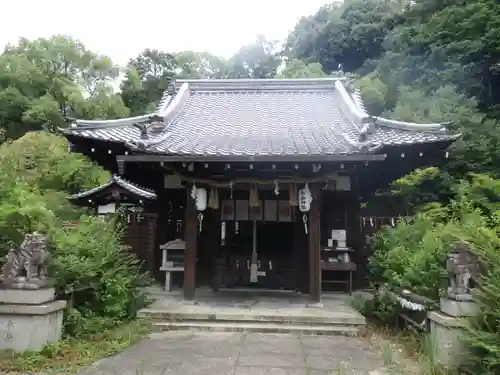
191	238
314	244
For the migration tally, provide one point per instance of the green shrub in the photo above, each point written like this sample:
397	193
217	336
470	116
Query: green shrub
411	256
42	160
483	332
21	211
91	264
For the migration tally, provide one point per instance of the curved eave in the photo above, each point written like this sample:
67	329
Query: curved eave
439	144
80	124
73	137
440	128
129	187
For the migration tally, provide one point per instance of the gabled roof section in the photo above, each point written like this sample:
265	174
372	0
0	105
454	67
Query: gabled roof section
239	117
128	186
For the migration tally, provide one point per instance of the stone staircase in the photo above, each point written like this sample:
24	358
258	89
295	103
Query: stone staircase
227	322
254	313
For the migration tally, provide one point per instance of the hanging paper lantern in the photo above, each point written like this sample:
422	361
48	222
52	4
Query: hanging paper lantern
305	199
201	199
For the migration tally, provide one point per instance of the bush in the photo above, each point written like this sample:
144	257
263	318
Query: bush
483	333
21	211
103	277
412	256
90	264
41	159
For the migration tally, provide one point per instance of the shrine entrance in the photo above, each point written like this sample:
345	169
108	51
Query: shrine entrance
259	243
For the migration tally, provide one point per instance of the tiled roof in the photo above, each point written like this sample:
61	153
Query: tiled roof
124	184
260	117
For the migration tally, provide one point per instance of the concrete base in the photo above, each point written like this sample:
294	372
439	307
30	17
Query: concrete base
446	334
27	296
29	326
458	308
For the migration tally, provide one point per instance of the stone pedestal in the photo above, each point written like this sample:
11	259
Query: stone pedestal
447	330
29	319
458	308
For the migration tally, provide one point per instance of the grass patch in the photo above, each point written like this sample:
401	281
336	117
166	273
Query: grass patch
404	351
70	355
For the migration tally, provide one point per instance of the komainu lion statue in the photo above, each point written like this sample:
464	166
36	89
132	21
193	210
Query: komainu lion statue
26	266
463	270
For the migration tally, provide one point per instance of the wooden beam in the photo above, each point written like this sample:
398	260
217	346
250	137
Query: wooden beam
154	158
191	238
314	244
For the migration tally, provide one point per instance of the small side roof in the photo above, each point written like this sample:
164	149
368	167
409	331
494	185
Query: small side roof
265	117
133	189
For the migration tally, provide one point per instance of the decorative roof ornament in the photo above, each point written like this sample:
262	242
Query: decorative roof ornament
157	125
368	128
143	128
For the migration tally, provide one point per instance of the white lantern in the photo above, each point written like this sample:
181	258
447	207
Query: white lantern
201	199
305	199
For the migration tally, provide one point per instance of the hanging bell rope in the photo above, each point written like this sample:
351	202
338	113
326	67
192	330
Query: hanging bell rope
254	196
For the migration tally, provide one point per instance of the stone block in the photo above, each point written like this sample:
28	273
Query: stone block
458	308
446	337
25	327
459	296
26	296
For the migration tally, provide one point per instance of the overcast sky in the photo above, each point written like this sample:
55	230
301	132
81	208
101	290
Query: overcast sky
123	29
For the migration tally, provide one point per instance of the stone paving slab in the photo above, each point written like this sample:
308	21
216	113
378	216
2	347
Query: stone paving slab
186	353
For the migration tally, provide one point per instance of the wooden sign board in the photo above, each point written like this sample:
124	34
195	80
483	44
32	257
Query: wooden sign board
109	208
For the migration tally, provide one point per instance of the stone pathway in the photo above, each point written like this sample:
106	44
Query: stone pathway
186	353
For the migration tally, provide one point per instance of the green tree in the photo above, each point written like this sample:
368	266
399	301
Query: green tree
299	69
201	65
348	34
260	59
147	77
43	80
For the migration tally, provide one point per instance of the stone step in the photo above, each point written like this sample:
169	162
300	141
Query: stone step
238	317
214	326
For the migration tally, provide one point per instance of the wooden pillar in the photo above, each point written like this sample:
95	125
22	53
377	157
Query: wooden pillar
357	240
297	246
191	238
314	244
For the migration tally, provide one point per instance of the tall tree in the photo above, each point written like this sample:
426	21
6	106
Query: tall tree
43	80
348	34
201	65
260	59
147	77
299	69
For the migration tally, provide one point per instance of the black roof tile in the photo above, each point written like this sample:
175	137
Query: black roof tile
261	117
